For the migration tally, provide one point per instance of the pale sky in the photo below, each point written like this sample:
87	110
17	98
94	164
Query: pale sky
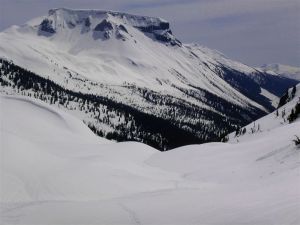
254	32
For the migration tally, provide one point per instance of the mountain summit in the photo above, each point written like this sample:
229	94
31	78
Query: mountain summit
129	78
105	24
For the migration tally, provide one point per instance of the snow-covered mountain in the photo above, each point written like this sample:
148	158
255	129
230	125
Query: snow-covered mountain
56	171
128	77
286	113
282	70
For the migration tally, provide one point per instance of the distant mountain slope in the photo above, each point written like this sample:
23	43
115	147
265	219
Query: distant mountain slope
115	71
53	171
282	70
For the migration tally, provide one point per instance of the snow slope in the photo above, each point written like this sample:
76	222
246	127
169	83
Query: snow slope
277	120
55	171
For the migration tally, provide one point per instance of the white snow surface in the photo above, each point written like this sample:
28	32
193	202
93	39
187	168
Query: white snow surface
55	171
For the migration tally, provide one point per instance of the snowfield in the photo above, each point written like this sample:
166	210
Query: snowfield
54	170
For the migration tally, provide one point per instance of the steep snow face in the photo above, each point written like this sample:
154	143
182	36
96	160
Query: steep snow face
282	70
55	171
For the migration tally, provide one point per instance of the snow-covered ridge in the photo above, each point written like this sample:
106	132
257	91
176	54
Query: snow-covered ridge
62	124
67	14
63	18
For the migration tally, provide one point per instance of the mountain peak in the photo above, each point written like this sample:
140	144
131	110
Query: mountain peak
104	24
98	13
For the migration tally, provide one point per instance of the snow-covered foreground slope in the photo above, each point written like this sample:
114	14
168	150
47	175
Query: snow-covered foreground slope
55	171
